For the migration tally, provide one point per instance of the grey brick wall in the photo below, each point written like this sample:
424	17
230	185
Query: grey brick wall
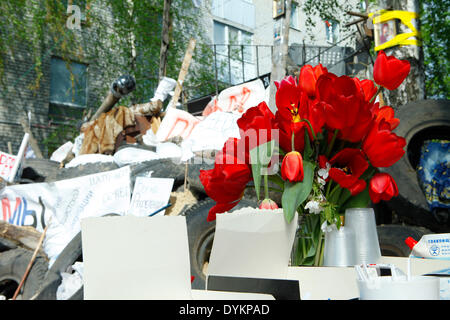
16	97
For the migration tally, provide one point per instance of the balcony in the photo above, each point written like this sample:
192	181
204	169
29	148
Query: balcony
238	11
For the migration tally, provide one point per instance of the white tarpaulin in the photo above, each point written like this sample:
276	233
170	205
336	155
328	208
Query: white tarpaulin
212	133
66	202
238	99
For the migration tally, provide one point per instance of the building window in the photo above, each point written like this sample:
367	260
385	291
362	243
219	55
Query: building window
68	89
295	16
225	35
332	31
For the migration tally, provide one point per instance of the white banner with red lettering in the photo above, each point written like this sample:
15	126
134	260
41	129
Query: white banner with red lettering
65	202
238	99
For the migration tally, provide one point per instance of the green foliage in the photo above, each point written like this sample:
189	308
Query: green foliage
435	30
326	10
117	37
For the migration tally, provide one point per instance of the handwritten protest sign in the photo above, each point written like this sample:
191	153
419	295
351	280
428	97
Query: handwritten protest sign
7	162
10	165
149	195
65	202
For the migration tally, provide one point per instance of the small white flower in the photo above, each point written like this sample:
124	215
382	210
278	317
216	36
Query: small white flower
314	207
321	181
324	171
327	228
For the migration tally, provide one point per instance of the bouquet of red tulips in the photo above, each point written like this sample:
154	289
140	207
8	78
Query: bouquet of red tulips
330	135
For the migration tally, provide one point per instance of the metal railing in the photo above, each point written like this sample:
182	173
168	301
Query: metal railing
233	66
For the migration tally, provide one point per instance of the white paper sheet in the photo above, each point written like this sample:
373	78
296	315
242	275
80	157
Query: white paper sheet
136	258
252	243
149	195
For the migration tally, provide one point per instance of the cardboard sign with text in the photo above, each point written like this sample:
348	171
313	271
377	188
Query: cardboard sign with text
7	162
11	166
150	195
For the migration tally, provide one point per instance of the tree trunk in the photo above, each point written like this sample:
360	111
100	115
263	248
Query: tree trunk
280	55
413	88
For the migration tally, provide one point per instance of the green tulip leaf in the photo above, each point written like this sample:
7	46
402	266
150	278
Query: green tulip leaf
307	151
361	200
296	193
259	159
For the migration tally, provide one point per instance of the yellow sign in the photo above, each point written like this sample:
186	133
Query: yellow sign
402	39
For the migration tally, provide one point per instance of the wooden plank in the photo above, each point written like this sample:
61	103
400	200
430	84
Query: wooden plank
183	72
24	236
33	143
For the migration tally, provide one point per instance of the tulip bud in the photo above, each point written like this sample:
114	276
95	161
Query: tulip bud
382	187
292	167
268	204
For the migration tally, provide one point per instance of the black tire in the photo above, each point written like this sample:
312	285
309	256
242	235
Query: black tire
419	121
83	170
201	236
162	168
392	238
71	253
13	264
39	170
194	168
6	244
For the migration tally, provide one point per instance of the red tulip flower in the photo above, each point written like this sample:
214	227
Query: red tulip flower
292	167
226	182
382	187
346	168
387	113
308	78
255	126
259	117
286	129
383	147
268	204
287	95
389	71
368	87
342	100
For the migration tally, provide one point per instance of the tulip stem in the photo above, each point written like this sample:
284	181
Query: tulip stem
376	94
330	146
310	126
327	193
319	250
293	141
266	186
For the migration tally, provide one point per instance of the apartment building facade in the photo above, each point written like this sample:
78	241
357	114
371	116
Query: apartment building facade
243	33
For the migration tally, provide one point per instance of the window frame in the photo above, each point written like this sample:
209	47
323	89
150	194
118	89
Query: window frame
59	103
297	16
240	32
